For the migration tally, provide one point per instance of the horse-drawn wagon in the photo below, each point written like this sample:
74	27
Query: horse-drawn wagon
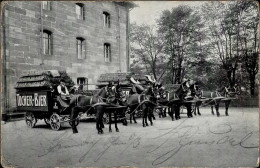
36	95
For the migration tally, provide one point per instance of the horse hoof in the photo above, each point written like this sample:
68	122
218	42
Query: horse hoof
75	132
135	122
147	125
199	114
151	124
227	115
154	118
144	126
110	130
117	130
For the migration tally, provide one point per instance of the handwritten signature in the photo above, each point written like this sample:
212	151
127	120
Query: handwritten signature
186	138
133	141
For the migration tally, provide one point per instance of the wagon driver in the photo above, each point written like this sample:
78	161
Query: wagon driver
63	91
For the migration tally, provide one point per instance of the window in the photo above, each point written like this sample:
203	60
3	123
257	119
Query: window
106	18
80	11
81	81
46	5
47	42
81	48
107	52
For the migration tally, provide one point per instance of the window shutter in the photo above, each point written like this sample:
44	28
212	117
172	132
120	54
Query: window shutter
109	51
50	5
109	21
51	44
84	49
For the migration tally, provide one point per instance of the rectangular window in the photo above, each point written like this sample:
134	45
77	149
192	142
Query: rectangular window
80	11
81	46
46	5
81	81
47	40
107	52
106	19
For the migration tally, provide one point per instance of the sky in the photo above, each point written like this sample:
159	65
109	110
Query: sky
149	11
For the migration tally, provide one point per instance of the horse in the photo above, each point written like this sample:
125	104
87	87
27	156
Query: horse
91	104
160	95
175	99
224	94
118	101
143	99
196	93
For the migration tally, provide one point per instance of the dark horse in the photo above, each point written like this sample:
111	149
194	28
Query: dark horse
196	93
175	99
118	109
91	104
143	99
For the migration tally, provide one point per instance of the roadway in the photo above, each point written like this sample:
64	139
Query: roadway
200	141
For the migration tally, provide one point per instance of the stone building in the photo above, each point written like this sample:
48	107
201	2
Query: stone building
85	39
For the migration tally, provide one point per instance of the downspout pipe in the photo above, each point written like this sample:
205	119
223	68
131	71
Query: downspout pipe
41	39
119	37
4	72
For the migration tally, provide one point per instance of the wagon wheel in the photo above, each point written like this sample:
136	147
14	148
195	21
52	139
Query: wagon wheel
30	119
106	118
55	122
47	121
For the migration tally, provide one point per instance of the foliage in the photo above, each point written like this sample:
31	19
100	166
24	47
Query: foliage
146	47
216	44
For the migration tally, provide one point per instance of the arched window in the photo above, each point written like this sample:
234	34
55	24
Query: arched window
107	52
80	11
47	42
81	47
106	19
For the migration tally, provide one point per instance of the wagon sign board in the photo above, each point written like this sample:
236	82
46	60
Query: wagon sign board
32	101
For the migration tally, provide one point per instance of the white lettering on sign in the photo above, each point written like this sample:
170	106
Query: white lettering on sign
31	100
126	93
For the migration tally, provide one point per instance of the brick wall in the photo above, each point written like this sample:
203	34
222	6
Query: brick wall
23	25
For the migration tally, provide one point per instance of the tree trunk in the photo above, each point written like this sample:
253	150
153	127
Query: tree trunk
229	76
252	84
233	77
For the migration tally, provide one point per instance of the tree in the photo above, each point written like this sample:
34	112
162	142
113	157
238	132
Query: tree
147	47
249	40
180	28
232	34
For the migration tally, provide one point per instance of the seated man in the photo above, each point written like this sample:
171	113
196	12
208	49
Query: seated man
137	88
62	89
64	96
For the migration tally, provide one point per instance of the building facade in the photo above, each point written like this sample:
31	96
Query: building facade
84	39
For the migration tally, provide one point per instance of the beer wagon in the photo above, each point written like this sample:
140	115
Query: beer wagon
36	95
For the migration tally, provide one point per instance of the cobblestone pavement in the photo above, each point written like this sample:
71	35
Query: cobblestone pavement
205	140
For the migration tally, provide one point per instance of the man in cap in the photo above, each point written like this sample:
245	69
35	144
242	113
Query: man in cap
62	89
